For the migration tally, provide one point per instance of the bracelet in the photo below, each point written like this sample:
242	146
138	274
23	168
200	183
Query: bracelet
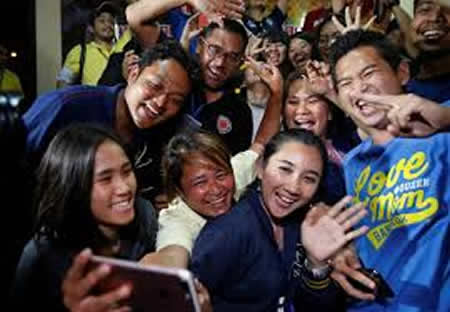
317	273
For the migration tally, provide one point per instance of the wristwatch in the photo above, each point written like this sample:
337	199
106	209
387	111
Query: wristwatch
317	273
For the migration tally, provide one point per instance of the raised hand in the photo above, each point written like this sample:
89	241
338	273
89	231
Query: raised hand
319	77
270	74
254	46
130	61
78	284
410	115
229	8
352	24
345	266
325	232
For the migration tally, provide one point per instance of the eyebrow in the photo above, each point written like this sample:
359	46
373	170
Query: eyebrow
291	164
107	171
360	72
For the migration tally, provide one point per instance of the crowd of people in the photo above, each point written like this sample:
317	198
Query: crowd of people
301	172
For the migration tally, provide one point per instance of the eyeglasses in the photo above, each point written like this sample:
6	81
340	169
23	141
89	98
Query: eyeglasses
214	51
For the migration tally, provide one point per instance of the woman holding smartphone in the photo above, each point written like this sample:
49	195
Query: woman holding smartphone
85	197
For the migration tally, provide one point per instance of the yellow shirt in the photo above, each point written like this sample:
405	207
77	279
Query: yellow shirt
123	40
10	82
96	59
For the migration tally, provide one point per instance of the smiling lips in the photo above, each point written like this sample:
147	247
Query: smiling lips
307	124
151	111
122	205
285	200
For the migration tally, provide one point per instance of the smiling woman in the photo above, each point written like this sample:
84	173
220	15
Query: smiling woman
86	197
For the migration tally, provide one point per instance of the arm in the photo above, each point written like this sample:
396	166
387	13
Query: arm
171	256
404	21
271	121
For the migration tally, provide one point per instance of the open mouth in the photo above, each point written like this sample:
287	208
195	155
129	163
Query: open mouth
215	75
122	206
365	108
285	201
151	111
305	124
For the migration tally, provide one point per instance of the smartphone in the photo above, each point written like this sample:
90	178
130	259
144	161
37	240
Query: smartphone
154	288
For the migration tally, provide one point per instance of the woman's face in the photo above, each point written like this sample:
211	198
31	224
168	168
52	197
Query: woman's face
306	110
114	187
299	52
328	35
290	178
275	53
208	188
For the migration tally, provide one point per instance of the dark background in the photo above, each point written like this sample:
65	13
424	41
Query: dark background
17	33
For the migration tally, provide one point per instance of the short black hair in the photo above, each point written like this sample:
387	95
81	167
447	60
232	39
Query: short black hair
360	38
170	49
277	36
229	25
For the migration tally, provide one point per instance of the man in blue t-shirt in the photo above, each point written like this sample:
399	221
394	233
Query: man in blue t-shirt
400	171
139	112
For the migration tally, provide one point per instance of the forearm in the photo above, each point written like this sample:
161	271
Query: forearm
142	11
171	256
270	124
404	22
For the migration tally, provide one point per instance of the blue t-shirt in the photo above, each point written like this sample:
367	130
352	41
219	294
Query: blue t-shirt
56	109
405	185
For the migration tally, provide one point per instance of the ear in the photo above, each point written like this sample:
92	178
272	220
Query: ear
259	166
403	74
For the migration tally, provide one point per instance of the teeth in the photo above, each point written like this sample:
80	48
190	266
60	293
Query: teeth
152	110
121	206
287	200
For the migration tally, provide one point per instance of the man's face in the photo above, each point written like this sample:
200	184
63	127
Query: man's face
363	70
220	56
157	93
430	26
104	26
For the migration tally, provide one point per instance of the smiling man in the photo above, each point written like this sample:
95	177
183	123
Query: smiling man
140	112
430	33
399	174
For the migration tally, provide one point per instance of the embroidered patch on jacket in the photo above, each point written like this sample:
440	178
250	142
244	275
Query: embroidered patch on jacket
224	124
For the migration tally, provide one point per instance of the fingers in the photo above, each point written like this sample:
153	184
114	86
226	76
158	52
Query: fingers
381	101
357	22
348	18
341	279
356	233
334	211
345	216
370	22
338	24
108	301
78	267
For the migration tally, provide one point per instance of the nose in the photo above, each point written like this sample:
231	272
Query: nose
220	60
122	186
293	186
302	109
360	86
214	187
161	100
